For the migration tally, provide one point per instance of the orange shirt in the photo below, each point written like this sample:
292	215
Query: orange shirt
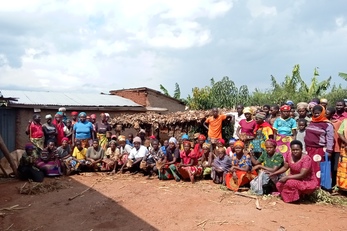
215	126
337	141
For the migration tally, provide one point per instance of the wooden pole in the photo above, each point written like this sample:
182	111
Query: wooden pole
7	155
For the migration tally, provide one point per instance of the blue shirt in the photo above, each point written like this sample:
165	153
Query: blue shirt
163	149
285	127
128	143
83	130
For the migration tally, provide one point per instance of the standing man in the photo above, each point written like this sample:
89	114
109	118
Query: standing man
215	125
240	116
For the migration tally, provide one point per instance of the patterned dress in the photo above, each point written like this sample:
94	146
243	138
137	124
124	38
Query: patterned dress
292	188
193	170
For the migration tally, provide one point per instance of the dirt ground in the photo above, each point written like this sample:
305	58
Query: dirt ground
127	202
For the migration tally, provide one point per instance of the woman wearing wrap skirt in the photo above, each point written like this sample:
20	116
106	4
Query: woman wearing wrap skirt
35	131
83	131
284	130
101	130
341	180
110	157
220	167
207	160
188	168
49	161
172	159
122	152
240	172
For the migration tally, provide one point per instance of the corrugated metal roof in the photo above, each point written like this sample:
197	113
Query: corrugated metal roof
67	99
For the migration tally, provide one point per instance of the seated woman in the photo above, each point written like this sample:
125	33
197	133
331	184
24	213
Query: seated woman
188	168
301	179
220	167
230	149
198	149
154	156
94	156
110	158
171	159
240	171
207	160
122	152
267	163
78	160
49	161
26	168
64	155
136	155
220	143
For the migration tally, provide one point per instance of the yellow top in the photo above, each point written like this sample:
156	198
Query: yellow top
79	155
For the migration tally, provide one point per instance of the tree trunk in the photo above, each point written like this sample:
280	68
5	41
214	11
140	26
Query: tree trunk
7	155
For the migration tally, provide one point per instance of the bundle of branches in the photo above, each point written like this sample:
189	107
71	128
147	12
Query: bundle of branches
151	118
32	188
321	196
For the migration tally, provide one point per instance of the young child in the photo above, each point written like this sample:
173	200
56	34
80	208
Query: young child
302	124
257	145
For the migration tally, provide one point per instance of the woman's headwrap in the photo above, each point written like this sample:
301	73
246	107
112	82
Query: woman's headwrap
196	135
152	137
285	108
122	138
62	109
173	140
222	141
137	140
102	114
232	141
260	115
82	114
247	110
206	146
202	137
59	113
239	143
186	142
29	146
49	116
112	142
272	142
74	113
185	137
93	116
302	105
321	117
290	103
65	139
312	104
107	115
323	100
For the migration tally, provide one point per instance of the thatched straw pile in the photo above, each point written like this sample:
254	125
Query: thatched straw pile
32	188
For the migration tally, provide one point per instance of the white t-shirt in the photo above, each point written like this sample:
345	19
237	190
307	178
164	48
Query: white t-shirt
237	123
140	153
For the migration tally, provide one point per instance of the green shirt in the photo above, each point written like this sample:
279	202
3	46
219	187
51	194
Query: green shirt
270	162
342	128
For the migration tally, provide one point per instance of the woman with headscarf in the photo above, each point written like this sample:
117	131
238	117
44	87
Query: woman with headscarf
101	130
58	123
110	158
301	178
35	132
27	169
171	159
68	130
245	131
284	130
230	149
302	109
83	131
74	116
267	163
319	138
188	168
198	146
64	153
122	152
220	167
207	160
153	157
241	165
262	132
49	130
49	161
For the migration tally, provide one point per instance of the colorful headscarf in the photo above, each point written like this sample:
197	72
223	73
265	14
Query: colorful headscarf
290	103
82	114
222	141
122	138
239	143
74	113
59	113
271	141
185	137
312	104
321	117
187	142
152	137
206	146
29	146
261	115
323	100
232	141
285	108
137	140
112	142
93	116
65	139
173	140
247	110
202	137
302	105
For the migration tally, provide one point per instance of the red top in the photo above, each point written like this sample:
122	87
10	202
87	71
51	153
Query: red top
187	159
198	150
247	127
36	130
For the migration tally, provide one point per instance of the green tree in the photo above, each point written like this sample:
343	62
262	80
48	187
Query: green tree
164	90
343	75
177	92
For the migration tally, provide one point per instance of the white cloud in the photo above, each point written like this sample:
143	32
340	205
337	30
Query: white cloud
257	9
340	21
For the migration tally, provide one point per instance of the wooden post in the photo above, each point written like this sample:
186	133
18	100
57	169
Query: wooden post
7	155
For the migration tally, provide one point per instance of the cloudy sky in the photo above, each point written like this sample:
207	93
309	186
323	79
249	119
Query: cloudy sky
96	46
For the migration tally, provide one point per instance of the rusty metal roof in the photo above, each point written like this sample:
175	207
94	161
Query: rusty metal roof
46	98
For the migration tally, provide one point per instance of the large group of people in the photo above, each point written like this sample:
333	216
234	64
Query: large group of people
275	149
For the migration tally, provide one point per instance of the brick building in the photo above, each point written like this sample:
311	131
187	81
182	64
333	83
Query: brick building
151	99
